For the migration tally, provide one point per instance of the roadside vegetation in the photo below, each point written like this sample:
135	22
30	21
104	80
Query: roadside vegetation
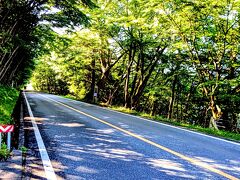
27	32
184	124
172	59
218	133
8	99
175	60
4	153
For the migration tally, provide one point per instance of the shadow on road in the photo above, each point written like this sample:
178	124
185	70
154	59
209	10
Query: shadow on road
78	151
81	148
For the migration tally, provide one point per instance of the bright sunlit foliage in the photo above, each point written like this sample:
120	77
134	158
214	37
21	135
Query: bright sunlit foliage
177	59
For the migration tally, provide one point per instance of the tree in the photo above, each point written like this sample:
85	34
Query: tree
20	20
178	59
208	31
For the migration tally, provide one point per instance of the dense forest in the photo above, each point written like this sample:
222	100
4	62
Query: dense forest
25	28
178	59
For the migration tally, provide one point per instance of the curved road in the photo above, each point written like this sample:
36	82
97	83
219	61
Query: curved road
85	141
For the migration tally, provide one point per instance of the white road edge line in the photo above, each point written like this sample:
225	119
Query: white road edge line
216	138
49	172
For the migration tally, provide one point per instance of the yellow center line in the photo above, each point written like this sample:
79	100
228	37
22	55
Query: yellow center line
191	160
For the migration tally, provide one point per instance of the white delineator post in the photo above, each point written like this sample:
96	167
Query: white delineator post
6	129
0	140
9	140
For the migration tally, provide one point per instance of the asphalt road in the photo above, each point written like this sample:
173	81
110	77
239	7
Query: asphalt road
85	141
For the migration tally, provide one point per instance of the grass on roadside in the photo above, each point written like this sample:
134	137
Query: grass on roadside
219	133
69	96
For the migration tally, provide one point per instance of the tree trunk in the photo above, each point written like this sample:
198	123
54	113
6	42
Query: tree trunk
153	109
145	75
8	63
213	124
171	102
216	113
127	99
11	76
93	80
177	102
90	95
188	99
126	93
